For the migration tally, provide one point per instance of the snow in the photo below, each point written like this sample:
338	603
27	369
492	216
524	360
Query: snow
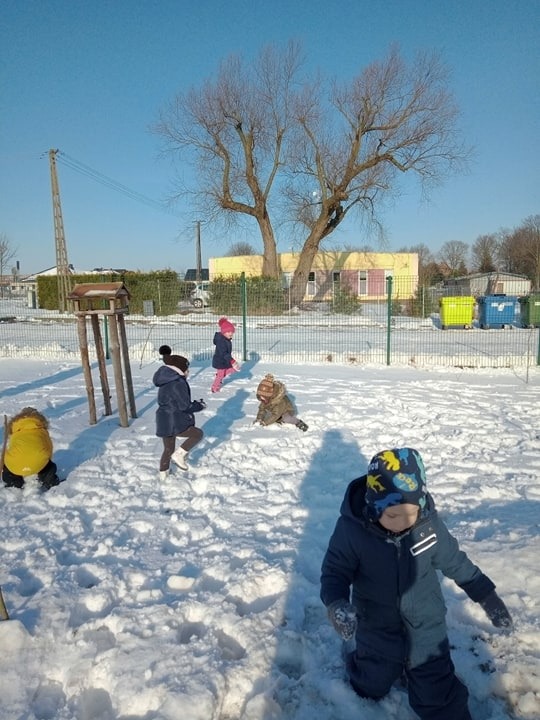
197	598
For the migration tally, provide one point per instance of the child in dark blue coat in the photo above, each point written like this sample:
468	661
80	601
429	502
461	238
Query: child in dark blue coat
223	361
174	416
388	544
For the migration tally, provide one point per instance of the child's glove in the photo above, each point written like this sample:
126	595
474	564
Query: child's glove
496	611
342	615
202	403
236	366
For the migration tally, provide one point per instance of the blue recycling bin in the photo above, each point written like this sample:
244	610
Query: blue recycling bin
496	311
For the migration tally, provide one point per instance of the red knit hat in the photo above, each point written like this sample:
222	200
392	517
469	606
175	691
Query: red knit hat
226	325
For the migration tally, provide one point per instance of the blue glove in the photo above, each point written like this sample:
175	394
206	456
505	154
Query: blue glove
496	611
342	615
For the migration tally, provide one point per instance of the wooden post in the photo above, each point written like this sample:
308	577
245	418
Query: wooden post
101	363
3	610
83	344
117	367
127	366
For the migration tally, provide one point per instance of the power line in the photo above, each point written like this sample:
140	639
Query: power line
108	182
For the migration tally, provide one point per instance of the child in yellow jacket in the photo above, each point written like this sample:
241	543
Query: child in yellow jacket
29	450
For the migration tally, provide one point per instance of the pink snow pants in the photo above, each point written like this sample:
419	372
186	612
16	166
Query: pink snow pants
220	376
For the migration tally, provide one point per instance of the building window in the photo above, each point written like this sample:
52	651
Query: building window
362	282
311	287
336	278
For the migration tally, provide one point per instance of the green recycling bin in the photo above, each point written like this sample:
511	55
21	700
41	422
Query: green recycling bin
530	311
456	311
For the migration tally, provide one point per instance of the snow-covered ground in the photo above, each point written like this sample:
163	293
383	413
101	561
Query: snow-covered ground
197	598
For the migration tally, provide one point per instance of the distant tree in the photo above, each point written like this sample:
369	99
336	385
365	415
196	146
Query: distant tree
7	253
530	238
428	270
272	146
240	248
520	250
453	257
484	253
433	273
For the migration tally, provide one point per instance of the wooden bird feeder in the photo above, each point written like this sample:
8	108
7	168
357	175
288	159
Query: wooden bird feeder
91	300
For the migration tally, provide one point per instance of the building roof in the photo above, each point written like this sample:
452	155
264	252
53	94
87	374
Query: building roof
493	273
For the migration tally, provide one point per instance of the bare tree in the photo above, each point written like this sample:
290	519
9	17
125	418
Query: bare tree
484	253
7	253
520	250
265	140
241	248
453	255
428	270
530	232
235	129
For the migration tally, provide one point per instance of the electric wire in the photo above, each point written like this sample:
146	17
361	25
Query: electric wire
108	182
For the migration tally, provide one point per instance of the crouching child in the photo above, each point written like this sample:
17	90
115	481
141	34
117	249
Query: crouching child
29	450
387	545
274	404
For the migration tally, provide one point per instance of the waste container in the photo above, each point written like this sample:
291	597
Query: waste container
496	311
530	311
456	311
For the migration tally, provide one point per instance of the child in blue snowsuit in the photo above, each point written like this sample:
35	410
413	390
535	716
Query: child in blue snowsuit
388	544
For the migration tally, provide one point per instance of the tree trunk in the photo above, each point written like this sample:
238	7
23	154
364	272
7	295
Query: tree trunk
271	266
301	274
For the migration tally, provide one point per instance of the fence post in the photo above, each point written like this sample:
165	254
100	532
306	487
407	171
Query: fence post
243	295
538	352
388	316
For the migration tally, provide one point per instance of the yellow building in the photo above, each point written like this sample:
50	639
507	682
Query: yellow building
363	273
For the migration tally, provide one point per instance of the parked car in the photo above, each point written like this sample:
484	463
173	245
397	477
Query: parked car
200	295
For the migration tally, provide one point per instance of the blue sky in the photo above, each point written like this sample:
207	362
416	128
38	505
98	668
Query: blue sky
89	78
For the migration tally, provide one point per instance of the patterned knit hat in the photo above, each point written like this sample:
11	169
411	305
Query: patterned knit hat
394	477
266	387
177	361
226	325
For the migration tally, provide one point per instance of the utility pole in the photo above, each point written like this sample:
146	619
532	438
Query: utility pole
62	266
198	271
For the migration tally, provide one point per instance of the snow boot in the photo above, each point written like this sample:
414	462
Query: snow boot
163	474
301	425
179	457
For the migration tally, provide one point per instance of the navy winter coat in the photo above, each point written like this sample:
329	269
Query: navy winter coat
223	358
395	586
175	411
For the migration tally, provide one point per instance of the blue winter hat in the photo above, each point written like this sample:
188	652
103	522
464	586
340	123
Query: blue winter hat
394	477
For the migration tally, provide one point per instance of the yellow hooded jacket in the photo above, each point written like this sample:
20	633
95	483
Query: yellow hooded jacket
29	447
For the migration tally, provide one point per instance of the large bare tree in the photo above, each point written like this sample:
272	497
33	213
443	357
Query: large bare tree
275	146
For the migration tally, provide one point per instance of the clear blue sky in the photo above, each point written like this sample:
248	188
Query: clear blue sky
89	78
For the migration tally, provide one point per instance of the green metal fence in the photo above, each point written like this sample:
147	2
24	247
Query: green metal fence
392	323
